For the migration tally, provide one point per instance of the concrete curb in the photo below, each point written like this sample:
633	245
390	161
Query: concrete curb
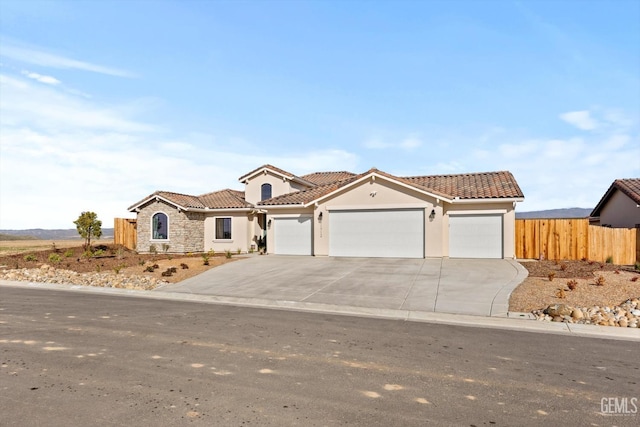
502	309
513	321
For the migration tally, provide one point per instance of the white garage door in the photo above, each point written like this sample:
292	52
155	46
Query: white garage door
292	236
475	236
377	233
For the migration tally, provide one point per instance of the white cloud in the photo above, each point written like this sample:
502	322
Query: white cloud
580	119
42	79
39	57
61	155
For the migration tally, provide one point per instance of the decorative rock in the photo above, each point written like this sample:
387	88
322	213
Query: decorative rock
577	314
558	310
623	315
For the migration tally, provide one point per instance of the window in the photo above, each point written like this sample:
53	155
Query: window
266	192
160	226
223	228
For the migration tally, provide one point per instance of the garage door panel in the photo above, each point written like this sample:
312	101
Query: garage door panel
475	236
293	236
377	233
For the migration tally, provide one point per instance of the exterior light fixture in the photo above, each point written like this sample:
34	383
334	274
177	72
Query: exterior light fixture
269	223
432	214
320	216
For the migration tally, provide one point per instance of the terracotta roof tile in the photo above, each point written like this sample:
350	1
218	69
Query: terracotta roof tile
628	186
483	185
322	178
307	196
224	199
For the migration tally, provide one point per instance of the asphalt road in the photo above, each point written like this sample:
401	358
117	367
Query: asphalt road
74	359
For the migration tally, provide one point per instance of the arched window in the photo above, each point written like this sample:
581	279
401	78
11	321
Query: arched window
160	226
266	192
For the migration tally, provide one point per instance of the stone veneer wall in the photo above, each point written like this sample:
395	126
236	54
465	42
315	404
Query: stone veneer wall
186	229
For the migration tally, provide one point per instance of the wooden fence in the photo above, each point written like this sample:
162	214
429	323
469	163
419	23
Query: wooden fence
573	239
124	232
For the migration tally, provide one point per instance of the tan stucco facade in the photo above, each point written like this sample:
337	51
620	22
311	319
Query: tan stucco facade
279	185
620	212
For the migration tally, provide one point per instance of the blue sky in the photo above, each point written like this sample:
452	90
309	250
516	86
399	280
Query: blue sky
104	102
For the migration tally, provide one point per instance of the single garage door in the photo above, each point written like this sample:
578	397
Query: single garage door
475	236
292	236
377	233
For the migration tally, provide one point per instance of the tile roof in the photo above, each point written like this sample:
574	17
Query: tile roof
483	185
628	186
216	200
322	178
273	168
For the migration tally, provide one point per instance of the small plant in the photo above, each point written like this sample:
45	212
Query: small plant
238	251
563	266
590	262
153	249
184	266
149	269
583	259
551	275
141	262
617	272
166	273
98	252
55	258
68	253
609	259
637	265
561	294
87	253
155	266
205	258
634	279
118	268
165	247
228	254
120	252
173	269
600	281
98	268
572	285
31	257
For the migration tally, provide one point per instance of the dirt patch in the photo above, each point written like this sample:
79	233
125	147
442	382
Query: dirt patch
550	282
109	257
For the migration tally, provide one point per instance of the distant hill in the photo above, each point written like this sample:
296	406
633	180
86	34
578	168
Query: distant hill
42	234
556	213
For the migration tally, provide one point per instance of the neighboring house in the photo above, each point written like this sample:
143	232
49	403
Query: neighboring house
373	214
620	205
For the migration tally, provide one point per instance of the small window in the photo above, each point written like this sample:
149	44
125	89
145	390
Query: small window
266	192
223	228
160	226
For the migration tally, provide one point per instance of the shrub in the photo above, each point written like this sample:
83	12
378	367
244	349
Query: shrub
155	266
141	262
563	266
68	253
228	254
118	267
98	252
55	258
572	285
634	279
561	294
153	249
150	269
609	259
165	247
184	266
166	273
551	275
600	281
31	257
238	251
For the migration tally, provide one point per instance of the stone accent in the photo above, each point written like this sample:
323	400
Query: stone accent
625	315
186	229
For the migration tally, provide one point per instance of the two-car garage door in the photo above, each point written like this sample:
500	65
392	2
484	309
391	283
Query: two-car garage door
397	233
475	236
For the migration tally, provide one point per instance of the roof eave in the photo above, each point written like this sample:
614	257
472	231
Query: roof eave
488	200
156	197
377	175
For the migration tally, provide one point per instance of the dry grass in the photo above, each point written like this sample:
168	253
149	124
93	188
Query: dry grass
538	292
12	247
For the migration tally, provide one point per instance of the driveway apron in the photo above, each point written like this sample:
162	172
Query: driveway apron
459	286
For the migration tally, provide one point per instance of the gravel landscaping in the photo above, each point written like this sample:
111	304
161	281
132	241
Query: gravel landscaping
579	292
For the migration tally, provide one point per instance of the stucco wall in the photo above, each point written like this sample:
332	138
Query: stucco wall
241	232
378	194
620	212
253	188
185	229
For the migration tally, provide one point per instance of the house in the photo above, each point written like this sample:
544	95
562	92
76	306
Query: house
342	214
620	205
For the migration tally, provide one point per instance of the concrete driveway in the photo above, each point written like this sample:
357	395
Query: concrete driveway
460	286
